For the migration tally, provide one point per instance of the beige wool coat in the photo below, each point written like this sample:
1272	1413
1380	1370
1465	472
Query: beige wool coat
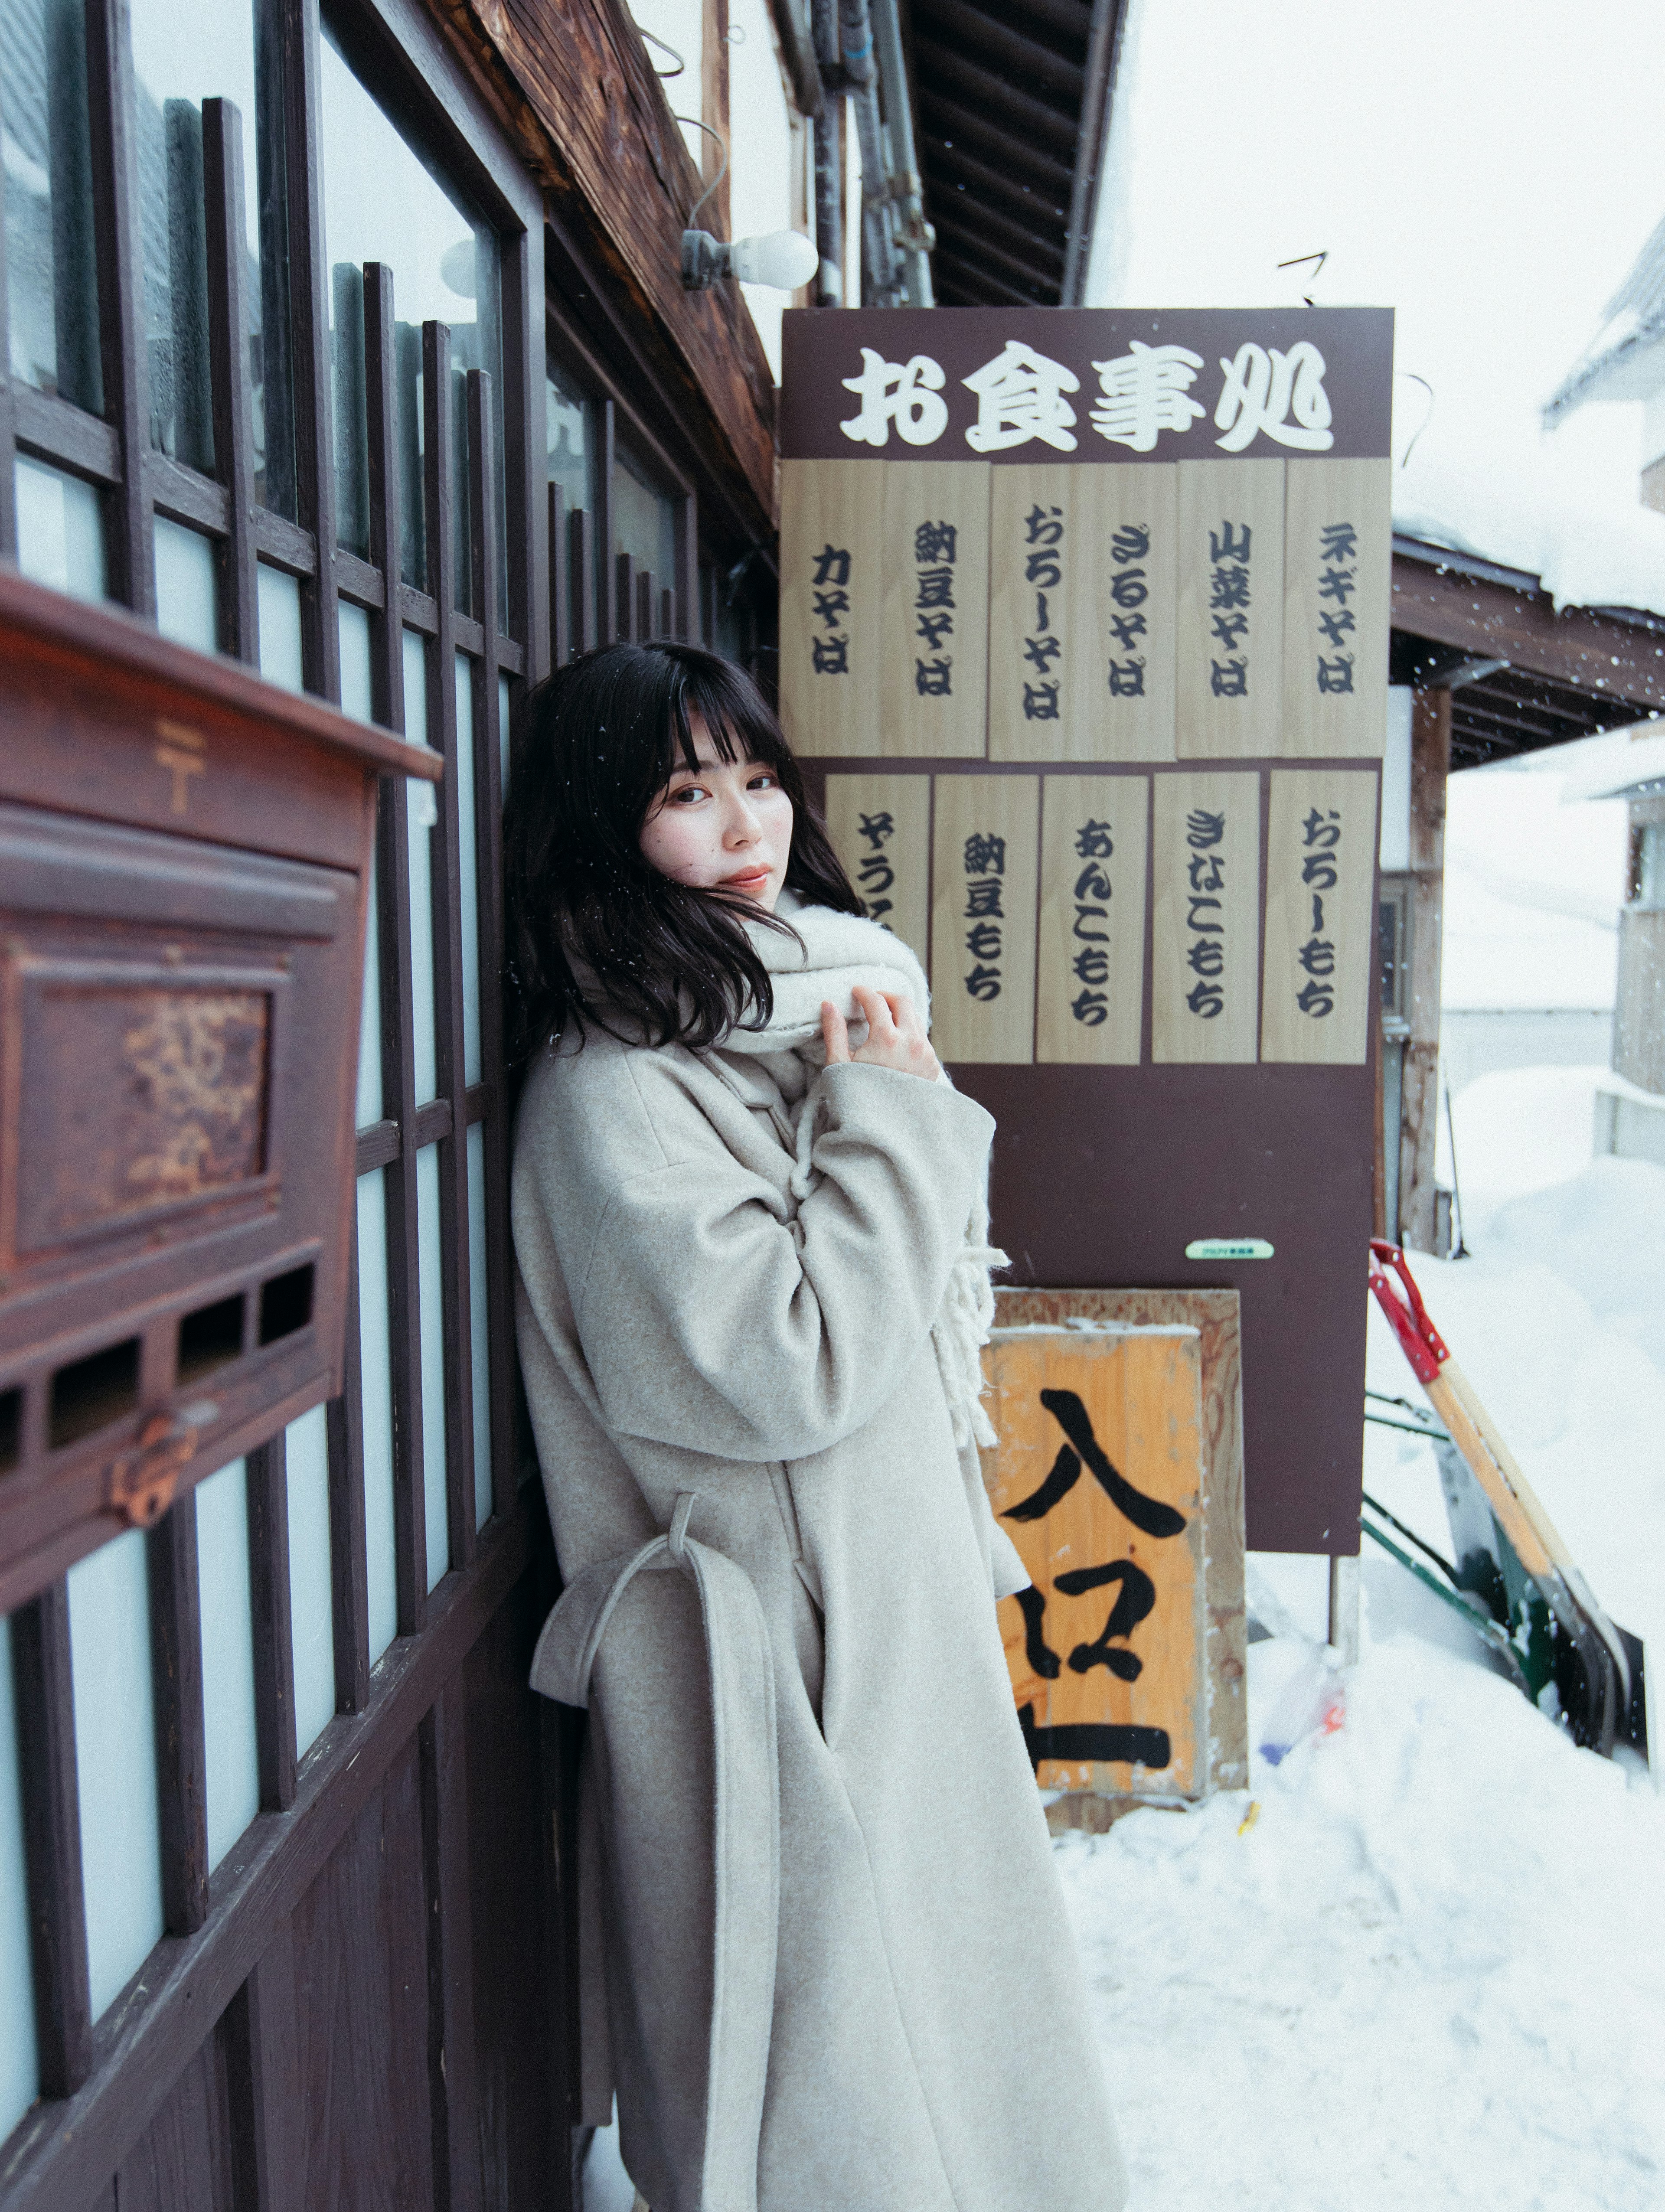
838	1973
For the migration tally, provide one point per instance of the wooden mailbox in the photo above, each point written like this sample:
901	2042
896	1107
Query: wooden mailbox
184	865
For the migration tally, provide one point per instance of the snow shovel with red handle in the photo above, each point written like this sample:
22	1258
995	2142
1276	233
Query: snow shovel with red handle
1599	1668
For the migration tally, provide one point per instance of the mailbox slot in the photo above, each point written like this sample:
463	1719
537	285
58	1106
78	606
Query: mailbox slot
181	967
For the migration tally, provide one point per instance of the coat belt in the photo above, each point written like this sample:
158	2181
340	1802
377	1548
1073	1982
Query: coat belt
746	1821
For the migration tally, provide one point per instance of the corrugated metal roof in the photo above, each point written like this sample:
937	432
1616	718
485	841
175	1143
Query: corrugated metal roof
1013	104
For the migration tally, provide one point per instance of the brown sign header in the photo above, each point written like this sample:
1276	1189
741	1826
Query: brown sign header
1086	383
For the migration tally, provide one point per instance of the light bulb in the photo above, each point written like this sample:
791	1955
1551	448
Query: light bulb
785	259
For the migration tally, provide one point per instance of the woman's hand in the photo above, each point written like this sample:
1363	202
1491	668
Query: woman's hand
896	1034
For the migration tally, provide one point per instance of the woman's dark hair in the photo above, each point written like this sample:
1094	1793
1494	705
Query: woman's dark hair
595	745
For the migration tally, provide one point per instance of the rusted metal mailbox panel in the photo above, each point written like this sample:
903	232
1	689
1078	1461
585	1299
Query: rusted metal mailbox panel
184	864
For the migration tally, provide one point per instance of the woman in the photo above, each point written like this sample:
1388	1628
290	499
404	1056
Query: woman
750	1225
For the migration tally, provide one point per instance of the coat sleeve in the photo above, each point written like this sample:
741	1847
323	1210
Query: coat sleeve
710	1320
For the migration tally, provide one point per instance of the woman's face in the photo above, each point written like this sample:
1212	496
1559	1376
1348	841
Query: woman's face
724	826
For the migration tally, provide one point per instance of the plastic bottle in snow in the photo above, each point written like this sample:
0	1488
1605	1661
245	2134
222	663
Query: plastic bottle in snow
1314	1703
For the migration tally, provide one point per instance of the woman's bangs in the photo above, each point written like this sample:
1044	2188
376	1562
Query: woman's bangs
741	726
677	748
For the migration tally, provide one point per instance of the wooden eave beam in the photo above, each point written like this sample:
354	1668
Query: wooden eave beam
986	253
951	25
591	120
1024	203
975	218
948	119
994	95
1593	653
1487	717
981	286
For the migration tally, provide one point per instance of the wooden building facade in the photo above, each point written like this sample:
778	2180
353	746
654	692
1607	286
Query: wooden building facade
345	338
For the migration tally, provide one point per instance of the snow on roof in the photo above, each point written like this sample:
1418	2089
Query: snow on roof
1522	514
1622	763
1626	359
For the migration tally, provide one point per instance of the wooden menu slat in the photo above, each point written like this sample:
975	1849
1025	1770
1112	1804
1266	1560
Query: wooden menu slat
933	666
880	827
831	537
1206	866
1338	581
1126	650
1229	663
1320	874
1040	614
983	881
1090	982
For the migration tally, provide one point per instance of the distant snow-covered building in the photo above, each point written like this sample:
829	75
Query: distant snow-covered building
1533	892
1626	359
1630	1108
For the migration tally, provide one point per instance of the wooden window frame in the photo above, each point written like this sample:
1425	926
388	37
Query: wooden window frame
103	2081
591	337
597	596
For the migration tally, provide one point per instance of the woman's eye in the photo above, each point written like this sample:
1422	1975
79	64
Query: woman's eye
688	791
762	781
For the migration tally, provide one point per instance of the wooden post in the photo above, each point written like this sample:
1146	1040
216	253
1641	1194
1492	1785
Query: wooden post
714	111
1430	765
1343	1607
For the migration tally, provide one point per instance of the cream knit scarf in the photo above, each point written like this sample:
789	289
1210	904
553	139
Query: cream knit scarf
838	951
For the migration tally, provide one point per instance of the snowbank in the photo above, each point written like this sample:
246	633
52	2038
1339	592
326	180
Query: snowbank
1429	1975
1524	512
1603	1234
1533	886
1519	1131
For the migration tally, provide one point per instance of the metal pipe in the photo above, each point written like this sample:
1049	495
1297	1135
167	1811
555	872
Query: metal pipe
798	52
829	208
916	237
879	269
855	45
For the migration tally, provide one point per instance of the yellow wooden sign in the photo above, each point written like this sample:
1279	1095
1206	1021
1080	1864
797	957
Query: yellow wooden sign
1205	966
830	560
1320	875
1132	532
1090	986
1338	556
932	694
1040	614
1230	651
1098	1479
880	827
983	871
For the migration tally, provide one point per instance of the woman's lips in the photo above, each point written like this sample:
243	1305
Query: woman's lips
752	880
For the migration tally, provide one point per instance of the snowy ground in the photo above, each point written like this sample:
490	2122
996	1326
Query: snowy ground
1427	1976
1432	1972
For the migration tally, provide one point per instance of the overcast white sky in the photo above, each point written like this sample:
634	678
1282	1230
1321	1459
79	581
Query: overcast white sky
1489	170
